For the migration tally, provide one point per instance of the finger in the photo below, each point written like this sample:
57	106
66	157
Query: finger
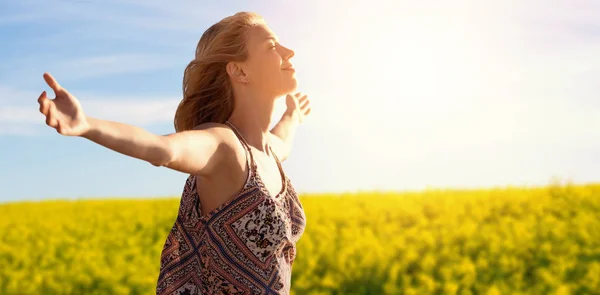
299	94
43	101
51	121
303	99
307	111
45	106
305	103
59	127
51	116
52	82
42	96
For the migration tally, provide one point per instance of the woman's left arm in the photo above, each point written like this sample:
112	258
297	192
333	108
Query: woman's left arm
298	107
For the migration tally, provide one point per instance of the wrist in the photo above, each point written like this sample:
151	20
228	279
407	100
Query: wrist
292	116
90	127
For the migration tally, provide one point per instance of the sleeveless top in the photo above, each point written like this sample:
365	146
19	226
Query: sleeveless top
245	246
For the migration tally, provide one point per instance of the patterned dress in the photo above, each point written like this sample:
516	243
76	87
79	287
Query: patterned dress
245	246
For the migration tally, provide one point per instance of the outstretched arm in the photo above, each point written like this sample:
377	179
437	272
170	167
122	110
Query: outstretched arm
298	107
193	151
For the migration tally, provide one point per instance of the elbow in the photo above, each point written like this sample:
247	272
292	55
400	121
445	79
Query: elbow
164	155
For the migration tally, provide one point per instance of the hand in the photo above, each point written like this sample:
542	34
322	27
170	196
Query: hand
64	113
298	105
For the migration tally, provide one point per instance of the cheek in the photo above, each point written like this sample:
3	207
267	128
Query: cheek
269	67
274	62
266	71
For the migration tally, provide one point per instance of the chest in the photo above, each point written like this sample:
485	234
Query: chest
266	226
282	216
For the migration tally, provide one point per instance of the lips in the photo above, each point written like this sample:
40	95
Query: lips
290	68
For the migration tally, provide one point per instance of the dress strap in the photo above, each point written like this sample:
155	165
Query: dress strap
278	163
238	134
249	157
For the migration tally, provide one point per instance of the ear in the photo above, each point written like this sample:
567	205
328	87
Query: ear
236	72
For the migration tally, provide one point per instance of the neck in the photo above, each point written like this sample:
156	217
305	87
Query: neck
252	118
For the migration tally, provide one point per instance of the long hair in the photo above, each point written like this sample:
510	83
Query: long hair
207	89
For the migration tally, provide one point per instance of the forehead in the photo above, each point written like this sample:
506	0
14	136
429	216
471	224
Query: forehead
259	34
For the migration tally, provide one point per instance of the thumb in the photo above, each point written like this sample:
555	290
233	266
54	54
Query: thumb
52	82
289	98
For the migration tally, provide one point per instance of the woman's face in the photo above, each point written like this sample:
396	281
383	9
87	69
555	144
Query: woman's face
268	66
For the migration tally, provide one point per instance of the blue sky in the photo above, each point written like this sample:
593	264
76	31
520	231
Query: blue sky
405	95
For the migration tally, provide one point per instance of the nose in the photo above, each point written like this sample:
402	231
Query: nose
288	52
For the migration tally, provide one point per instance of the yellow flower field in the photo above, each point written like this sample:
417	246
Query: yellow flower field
496	241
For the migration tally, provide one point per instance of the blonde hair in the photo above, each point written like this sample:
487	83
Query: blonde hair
207	90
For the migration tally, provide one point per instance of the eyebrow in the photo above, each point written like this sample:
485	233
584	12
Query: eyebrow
272	38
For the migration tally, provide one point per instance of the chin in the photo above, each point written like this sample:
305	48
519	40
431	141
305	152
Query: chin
290	87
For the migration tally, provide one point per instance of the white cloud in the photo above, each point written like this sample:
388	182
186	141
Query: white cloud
10	95
106	65
137	111
17	130
18	115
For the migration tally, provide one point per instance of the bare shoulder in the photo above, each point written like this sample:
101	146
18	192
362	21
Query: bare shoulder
230	147
223	134
219	130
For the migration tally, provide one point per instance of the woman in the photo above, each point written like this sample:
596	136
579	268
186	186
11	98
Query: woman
239	217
